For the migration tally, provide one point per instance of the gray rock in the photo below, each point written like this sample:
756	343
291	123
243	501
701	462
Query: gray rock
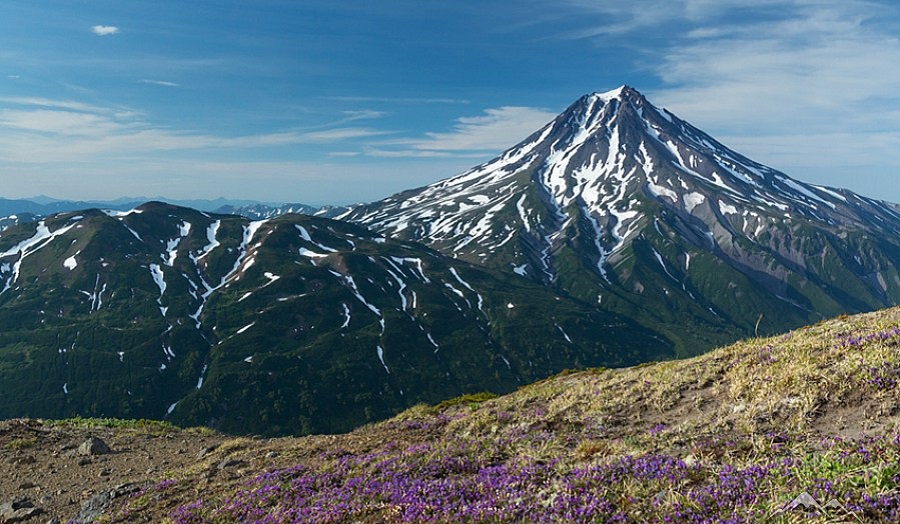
93	446
18	510
205	451
96	505
229	463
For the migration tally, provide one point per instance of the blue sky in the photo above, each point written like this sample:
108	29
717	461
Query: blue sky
336	102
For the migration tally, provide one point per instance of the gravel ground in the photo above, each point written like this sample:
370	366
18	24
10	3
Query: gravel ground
50	471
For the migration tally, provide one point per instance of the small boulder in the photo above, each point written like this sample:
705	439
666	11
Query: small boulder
18	510
229	463
97	504
93	446
205	451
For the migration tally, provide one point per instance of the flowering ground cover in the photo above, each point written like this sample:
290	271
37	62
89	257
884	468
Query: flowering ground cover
426	485
801	427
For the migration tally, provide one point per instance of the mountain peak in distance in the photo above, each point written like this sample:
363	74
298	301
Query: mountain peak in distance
622	203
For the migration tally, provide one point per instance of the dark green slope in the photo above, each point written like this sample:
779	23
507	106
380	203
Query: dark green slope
290	325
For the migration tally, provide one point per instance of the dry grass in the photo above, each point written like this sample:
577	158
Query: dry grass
807	381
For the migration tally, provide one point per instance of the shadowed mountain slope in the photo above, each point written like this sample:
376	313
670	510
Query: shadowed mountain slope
288	325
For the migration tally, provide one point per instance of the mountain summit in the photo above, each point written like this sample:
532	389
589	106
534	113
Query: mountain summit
620	202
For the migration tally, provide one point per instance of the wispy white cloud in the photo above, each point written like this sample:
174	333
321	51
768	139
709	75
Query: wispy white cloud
803	70
340	134
104	30
344	153
600	19
497	129
398	100
36	130
382	152
363	114
160	83
617	18
58	122
471	136
816	93
69	105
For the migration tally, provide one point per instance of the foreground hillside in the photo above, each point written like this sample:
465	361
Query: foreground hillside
735	435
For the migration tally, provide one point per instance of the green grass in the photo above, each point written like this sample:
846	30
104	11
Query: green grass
142	425
471	400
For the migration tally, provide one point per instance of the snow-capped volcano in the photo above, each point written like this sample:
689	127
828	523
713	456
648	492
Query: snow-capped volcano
615	189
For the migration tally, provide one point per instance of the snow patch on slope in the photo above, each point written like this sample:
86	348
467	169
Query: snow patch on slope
212	233
70	263
42	236
692	200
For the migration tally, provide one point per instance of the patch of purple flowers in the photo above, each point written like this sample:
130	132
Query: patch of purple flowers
884	377
459	482
423	486
892	334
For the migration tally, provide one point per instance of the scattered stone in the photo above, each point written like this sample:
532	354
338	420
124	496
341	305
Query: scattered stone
18	510
96	505
229	463
205	451
27	485
93	446
24	460
84	461
272	454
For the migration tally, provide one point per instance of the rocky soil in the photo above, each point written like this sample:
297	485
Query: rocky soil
58	473
76	471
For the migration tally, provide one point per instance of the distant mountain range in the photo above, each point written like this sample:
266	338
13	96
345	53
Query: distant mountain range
616	234
14	211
